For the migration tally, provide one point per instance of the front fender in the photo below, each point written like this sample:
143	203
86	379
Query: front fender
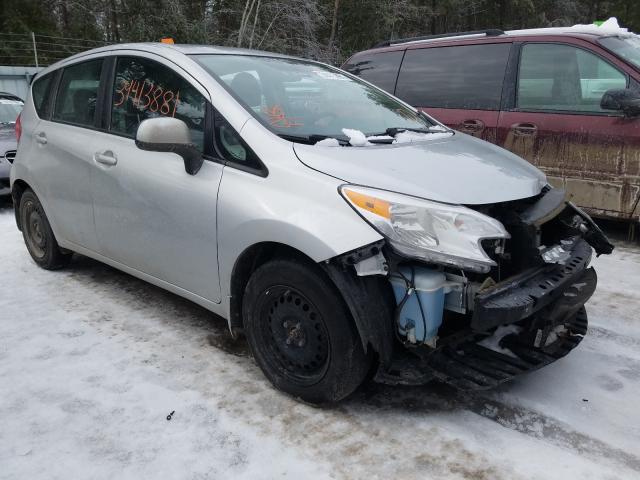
302	210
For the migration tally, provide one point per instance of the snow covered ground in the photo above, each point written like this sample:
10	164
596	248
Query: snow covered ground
92	361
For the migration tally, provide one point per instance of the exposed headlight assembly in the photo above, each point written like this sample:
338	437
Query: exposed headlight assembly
426	230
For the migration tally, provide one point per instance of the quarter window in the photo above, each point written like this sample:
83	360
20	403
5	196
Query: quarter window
78	94
381	69
231	147
564	78
465	77
40	94
145	89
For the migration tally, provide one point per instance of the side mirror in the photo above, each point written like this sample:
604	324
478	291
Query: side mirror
165	134
623	100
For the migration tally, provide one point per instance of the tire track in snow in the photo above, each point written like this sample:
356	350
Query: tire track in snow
439	397
540	426
602	333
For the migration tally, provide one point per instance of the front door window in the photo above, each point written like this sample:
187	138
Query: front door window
557	77
146	89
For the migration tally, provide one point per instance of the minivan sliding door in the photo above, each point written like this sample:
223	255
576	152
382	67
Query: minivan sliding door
461	85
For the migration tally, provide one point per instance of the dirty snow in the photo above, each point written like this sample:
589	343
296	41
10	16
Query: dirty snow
493	342
93	360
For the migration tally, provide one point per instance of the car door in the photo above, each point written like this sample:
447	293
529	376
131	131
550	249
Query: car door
150	214
64	150
557	124
459	85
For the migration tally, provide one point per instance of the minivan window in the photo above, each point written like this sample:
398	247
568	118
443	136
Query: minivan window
78	93
299	99
627	47
146	89
565	78
381	69
466	77
40	93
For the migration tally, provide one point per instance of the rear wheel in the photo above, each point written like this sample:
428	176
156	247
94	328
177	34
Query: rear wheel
37	234
301	333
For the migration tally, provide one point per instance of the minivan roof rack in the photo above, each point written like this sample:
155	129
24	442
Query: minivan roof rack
491	32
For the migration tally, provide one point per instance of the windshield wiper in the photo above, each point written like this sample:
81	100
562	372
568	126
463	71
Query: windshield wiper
393	131
311	139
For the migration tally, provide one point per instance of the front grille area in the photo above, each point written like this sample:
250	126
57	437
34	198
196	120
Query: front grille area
10	155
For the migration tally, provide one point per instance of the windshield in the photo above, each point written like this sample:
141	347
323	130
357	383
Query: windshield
627	47
295	98
9	110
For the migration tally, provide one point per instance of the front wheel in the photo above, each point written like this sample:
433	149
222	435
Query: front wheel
301	333
38	236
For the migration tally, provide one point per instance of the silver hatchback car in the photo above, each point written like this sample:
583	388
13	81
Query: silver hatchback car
344	233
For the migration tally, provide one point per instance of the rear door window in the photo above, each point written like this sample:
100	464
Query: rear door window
146	89
40	93
465	77
564	78
77	96
381	69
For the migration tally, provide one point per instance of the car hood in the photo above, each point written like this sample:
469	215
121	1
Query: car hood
458	169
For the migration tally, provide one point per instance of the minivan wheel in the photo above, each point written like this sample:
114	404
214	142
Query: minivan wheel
38	236
301	333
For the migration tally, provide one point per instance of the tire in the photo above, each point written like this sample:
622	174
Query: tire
38	236
301	333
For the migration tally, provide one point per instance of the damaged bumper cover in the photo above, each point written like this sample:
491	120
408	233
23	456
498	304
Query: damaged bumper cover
533	290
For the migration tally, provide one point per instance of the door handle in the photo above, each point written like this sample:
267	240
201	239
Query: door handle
524	129
106	158
472	125
41	138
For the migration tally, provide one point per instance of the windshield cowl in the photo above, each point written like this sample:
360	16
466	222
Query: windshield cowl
356	138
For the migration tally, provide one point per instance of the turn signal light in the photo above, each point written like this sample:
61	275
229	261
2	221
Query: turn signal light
381	208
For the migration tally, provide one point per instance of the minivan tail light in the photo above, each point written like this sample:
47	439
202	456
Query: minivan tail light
18	128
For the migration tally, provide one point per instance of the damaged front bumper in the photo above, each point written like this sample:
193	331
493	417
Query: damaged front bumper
544	307
545	317
524	314
569	285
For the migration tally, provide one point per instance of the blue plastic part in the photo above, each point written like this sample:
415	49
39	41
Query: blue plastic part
415	322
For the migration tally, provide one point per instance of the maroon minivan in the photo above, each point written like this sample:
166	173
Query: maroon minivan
566	99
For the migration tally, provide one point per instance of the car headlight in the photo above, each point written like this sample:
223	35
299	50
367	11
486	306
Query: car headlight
427	230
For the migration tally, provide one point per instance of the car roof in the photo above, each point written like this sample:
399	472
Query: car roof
186	49
168	50
586	32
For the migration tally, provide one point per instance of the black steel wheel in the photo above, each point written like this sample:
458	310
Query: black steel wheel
294	330
37	234
301	334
